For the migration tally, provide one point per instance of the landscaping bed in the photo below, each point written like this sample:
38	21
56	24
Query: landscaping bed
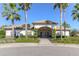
68	40
7	40
20	40
28	40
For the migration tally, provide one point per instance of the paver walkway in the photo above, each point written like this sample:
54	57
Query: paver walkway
45	41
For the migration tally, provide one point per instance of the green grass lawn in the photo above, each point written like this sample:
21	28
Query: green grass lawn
28	40
68	40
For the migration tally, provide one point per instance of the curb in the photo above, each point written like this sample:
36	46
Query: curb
8	45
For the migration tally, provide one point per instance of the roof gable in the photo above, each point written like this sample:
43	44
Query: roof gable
44	22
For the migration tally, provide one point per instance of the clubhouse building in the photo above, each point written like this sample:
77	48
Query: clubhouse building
44	28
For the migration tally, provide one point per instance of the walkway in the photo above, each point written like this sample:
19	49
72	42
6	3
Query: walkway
45	41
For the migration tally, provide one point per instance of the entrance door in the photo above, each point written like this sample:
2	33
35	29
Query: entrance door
44	34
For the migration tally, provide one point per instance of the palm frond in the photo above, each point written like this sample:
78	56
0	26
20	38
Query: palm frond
75	12
12	5
56	5
65	5
24	6
17	17
76	6
11	13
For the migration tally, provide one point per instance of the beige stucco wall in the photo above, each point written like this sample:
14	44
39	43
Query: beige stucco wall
66	32
30	32
8	33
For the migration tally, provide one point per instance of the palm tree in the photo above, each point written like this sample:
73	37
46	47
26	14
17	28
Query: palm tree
65	5
75	12
25	7
59	5
10	12
62	7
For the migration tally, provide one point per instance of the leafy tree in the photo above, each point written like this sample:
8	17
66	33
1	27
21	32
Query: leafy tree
2	33
54	33
73	32
65	25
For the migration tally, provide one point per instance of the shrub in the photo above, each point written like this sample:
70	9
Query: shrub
35	33
2	33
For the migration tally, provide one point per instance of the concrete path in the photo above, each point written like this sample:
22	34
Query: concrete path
45	41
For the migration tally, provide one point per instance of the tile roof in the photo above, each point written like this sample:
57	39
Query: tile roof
44	22
18	26
58	28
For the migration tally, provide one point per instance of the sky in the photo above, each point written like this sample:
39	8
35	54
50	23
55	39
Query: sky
43	11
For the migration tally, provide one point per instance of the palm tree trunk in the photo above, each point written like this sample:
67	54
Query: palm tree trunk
61	20
65	29
25	24
64	24
13	34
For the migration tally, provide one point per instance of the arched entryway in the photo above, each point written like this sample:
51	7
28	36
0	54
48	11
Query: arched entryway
45	32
